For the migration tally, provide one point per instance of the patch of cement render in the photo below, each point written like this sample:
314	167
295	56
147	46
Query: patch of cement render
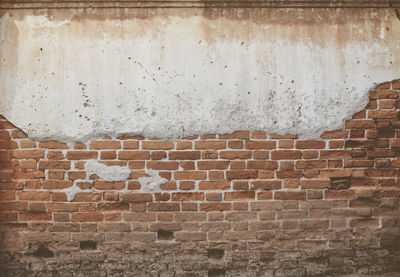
107	173
151	183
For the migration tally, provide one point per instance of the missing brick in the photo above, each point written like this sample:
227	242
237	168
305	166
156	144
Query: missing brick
215	253
43	252
340	183
165	235
88	245
216	273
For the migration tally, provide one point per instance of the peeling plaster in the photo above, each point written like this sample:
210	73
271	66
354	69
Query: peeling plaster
107	173
169	76
152	183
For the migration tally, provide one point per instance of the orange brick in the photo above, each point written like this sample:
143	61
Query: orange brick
285	154
134	155
131	144
34	195
241	174
81	155
163	165
188	196
204	165
157	145
383	114
212	144
262	165
35	216
360	124
255	144
108	155
87	217
28	154
310	144
290	195
190	175
52	144
105	144
184	155
103	185
239	195
183	145
215	207
214	185
232	155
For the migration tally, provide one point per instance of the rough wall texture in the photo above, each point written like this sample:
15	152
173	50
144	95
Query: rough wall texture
244	204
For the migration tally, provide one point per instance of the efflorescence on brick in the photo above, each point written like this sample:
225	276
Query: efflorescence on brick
247	203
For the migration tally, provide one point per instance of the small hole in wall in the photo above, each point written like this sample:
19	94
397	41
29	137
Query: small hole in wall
88	245
165	235
216	273
215	253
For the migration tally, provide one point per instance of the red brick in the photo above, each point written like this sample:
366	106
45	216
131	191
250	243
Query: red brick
266	185
54	165
214	185
184	155
190	175
207	207
386	94
163	165
310	164
360	124
241	174
81	155
52	144
212	144
285	154
255	144
87	217
56	184
137	197
310	144
235	144
262	165
204	165
164	207
134	155
339	194
187	196
157	145
342	134
383	114
239	195
27	154
108	155
288	174
183	145
290	195
105	144
8	144
131	144
35	216
231	155
236	135
334	154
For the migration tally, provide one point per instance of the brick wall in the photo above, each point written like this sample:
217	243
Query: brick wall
246	203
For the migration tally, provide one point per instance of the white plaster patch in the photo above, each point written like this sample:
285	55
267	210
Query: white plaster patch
152	183
71	192
80	80
107	173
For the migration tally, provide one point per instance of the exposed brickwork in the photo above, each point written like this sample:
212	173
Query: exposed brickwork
247	203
